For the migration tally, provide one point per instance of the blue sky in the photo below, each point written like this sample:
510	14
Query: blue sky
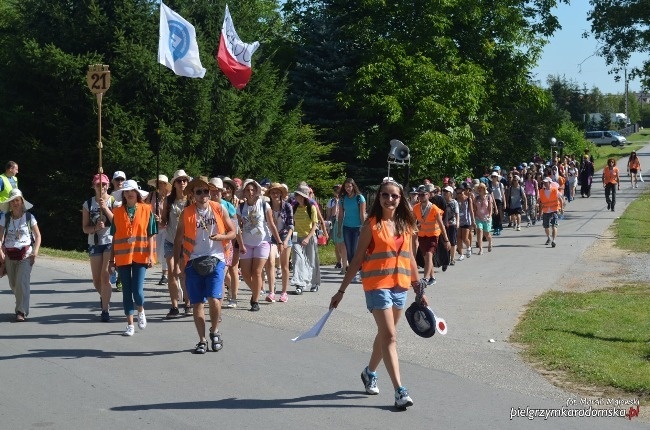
567	49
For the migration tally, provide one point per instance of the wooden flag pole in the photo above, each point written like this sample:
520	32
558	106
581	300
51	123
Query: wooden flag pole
98	80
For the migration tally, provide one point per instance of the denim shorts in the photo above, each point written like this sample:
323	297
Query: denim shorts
201	287
99	249
385	298
169	249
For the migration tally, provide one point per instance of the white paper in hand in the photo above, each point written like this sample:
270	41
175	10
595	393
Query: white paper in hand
315	330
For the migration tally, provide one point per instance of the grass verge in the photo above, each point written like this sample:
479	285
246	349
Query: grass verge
599	337
58	253
633	228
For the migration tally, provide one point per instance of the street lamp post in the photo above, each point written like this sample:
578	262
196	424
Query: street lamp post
553	144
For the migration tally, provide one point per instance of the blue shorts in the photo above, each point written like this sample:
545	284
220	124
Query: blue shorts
169	249
94	250
385	298
201	287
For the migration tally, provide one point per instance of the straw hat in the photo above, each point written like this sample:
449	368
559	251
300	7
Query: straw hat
248	182
216	183
180	174
227	180
277	186
13	195
198	181
162	179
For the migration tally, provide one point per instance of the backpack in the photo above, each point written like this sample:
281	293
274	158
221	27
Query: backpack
111	199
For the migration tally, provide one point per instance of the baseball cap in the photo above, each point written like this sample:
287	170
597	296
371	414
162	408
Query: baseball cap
100	178
448	189
119	174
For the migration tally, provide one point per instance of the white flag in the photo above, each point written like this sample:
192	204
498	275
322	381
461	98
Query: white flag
177	47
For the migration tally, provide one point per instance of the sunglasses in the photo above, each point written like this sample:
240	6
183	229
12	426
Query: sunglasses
390	196
202	191
119	179
181	180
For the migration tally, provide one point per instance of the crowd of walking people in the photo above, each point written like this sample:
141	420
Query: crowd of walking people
209	234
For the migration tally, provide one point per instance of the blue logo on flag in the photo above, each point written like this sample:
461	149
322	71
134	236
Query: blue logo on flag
179	39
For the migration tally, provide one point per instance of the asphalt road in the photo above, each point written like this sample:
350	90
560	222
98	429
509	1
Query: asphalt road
63	369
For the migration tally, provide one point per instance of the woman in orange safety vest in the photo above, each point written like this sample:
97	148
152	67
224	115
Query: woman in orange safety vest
133	230
388	269
634	168
611	182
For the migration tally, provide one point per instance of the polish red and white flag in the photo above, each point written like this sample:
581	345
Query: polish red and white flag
234	56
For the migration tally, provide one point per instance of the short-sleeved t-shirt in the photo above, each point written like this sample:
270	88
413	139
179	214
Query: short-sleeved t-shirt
18	234
303	221
254	229
350	205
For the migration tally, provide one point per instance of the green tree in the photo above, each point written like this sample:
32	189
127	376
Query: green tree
622	27
440	77
48	116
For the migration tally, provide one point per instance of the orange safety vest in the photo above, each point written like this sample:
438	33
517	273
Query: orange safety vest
386	266
137	251
428	227
610	177
549	204
189	227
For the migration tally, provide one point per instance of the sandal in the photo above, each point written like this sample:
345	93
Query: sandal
216	341
201	347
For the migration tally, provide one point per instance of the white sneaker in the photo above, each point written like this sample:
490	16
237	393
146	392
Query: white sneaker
461	258
232	304
142	321
402	398
357	277
130	329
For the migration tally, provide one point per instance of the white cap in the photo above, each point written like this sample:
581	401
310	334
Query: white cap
119	174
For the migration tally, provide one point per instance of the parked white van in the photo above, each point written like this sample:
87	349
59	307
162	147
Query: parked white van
610	137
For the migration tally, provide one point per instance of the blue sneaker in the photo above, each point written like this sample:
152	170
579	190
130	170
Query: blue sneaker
402	399
369	380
